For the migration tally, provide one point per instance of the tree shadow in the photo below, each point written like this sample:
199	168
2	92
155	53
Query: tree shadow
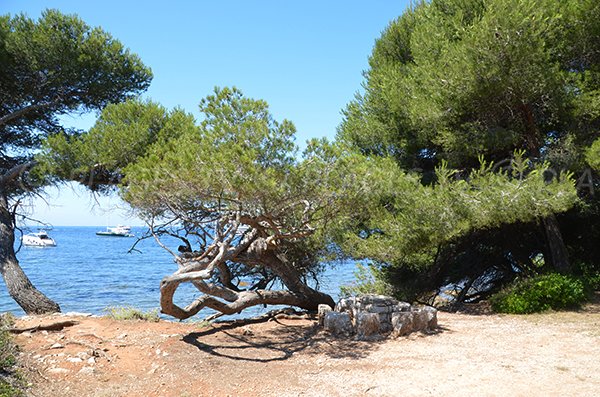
237	342
482	308
593	305
440	329
277	344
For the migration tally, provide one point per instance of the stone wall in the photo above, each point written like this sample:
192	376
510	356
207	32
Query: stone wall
369	316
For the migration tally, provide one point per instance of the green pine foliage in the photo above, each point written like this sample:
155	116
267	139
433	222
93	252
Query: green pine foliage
540	293
415	218
236	166
489	108
53	66
593	155
50	68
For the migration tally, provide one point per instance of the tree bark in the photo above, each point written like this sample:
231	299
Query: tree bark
18	285
229	301
557	251
559	258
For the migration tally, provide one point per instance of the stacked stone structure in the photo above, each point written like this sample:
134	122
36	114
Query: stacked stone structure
368	316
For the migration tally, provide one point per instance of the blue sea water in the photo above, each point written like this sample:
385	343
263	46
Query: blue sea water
89	273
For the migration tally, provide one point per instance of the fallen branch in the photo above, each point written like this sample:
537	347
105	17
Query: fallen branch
57	326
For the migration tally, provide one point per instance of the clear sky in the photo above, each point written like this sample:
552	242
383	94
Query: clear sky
305	58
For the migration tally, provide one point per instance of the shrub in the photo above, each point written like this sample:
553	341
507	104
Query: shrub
131	313
11	382
590	276
539	293
592	281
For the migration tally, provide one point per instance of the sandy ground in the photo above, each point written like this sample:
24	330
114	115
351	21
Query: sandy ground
554	354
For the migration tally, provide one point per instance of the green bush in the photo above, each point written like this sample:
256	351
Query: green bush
539	293
11	382
590	275
593	282
131	313
8	390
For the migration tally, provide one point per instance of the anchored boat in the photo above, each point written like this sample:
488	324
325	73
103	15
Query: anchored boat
39	239
117	231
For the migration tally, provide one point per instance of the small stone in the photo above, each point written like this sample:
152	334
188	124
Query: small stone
322	309
91	361
56	346
58	371
247	331
77	314
74	360
122	336
87	371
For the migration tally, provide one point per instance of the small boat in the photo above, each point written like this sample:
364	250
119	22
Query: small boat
39	239
118	231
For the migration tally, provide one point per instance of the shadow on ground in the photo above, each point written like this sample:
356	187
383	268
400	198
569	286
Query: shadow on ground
594	304
237	342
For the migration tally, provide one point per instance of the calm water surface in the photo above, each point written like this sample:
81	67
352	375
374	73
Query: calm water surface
88	273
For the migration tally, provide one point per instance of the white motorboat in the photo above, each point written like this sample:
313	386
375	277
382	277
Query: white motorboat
117	231
39	239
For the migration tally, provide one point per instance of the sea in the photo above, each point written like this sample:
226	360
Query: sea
87	273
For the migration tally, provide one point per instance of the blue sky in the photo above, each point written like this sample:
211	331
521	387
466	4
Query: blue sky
305	58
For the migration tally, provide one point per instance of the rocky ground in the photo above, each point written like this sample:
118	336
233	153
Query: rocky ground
537	355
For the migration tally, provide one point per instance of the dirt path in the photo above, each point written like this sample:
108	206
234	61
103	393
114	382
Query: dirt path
539	355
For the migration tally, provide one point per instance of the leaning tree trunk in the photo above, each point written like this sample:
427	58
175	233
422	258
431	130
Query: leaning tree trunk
559	258
228	301
556	246
18	285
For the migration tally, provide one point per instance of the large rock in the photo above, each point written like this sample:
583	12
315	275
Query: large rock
402	323
420	319
367	324
345	304
424	318
431	317
338	323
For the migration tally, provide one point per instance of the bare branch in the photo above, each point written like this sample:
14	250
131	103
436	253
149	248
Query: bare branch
15	172
20	112
157	239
